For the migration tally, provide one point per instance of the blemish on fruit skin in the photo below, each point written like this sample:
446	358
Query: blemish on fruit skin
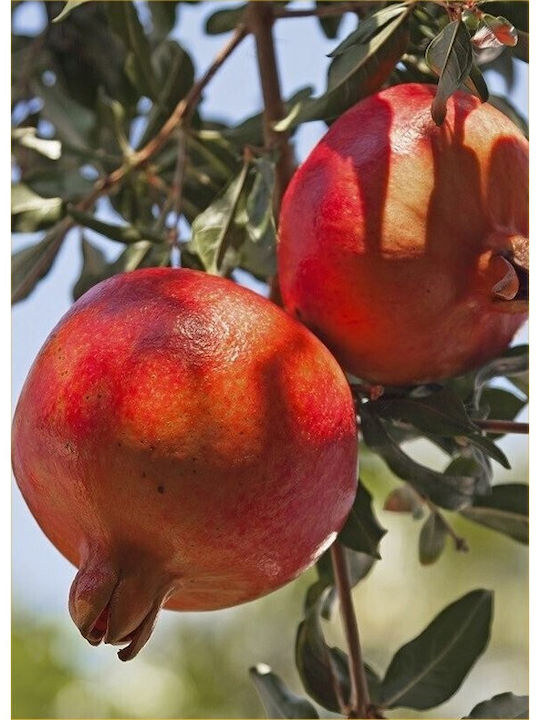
161	489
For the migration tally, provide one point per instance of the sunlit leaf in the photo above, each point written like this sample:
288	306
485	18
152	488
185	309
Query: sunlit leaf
67	9
31	212
27	137
429	669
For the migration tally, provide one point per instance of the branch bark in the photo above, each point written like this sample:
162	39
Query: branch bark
260	18
503	426
359	702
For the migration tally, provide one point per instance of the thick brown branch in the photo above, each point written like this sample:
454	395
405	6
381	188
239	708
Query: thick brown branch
359	702
260	18
503	426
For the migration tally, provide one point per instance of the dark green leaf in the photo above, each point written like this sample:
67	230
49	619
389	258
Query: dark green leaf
500	404
125	22
362	531
476	83
30	265
225	20
126	234
432	539
448	491
212	229
506	510
368	27
31	212
358	564
70	185
324	671
73	122
359	72
68	7
514	364
506	705
429	669
521	50
163	18
277	699
329	24
450	56
95	268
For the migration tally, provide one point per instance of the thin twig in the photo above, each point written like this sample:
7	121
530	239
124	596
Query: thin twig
503	426
359	702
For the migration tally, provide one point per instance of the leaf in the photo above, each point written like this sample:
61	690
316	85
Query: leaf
359	72
31	264
368	27
476	83
500	405
448	491
120	233
68	7
95	268
450	56
163	18
329	24
506	705
124	21
432	539
521	50
73	122
506	510
405	499
324	671
212	229
27	137
32	212
362	531
514	364
429	669
225	20
277	699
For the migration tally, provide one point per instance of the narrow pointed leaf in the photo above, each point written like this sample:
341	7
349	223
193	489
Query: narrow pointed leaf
26	137
429	669
68	7
31	212
225	20
450	55
30	265
277	699
506	705
432	539
126	234
362	531
368	27
447	491
506	511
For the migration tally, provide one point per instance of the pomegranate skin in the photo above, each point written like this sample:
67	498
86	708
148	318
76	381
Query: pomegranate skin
185	443
395	236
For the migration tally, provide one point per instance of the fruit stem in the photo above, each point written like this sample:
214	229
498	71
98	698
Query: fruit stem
260	18
503	426
359	701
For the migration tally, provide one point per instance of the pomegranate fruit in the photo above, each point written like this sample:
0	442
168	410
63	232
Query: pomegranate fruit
185	443
402	245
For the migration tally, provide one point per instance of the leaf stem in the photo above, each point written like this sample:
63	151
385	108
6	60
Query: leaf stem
460	543
359	701
503	426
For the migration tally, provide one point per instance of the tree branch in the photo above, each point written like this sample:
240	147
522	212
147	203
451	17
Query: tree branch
359	701
333	8
502	426
260	17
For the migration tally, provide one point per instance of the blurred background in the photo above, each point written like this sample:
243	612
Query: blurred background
196	665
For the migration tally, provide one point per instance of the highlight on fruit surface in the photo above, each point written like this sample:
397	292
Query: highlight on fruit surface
186	444
403	245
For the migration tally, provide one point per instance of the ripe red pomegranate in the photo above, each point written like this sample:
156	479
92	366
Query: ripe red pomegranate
185	443
402	243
